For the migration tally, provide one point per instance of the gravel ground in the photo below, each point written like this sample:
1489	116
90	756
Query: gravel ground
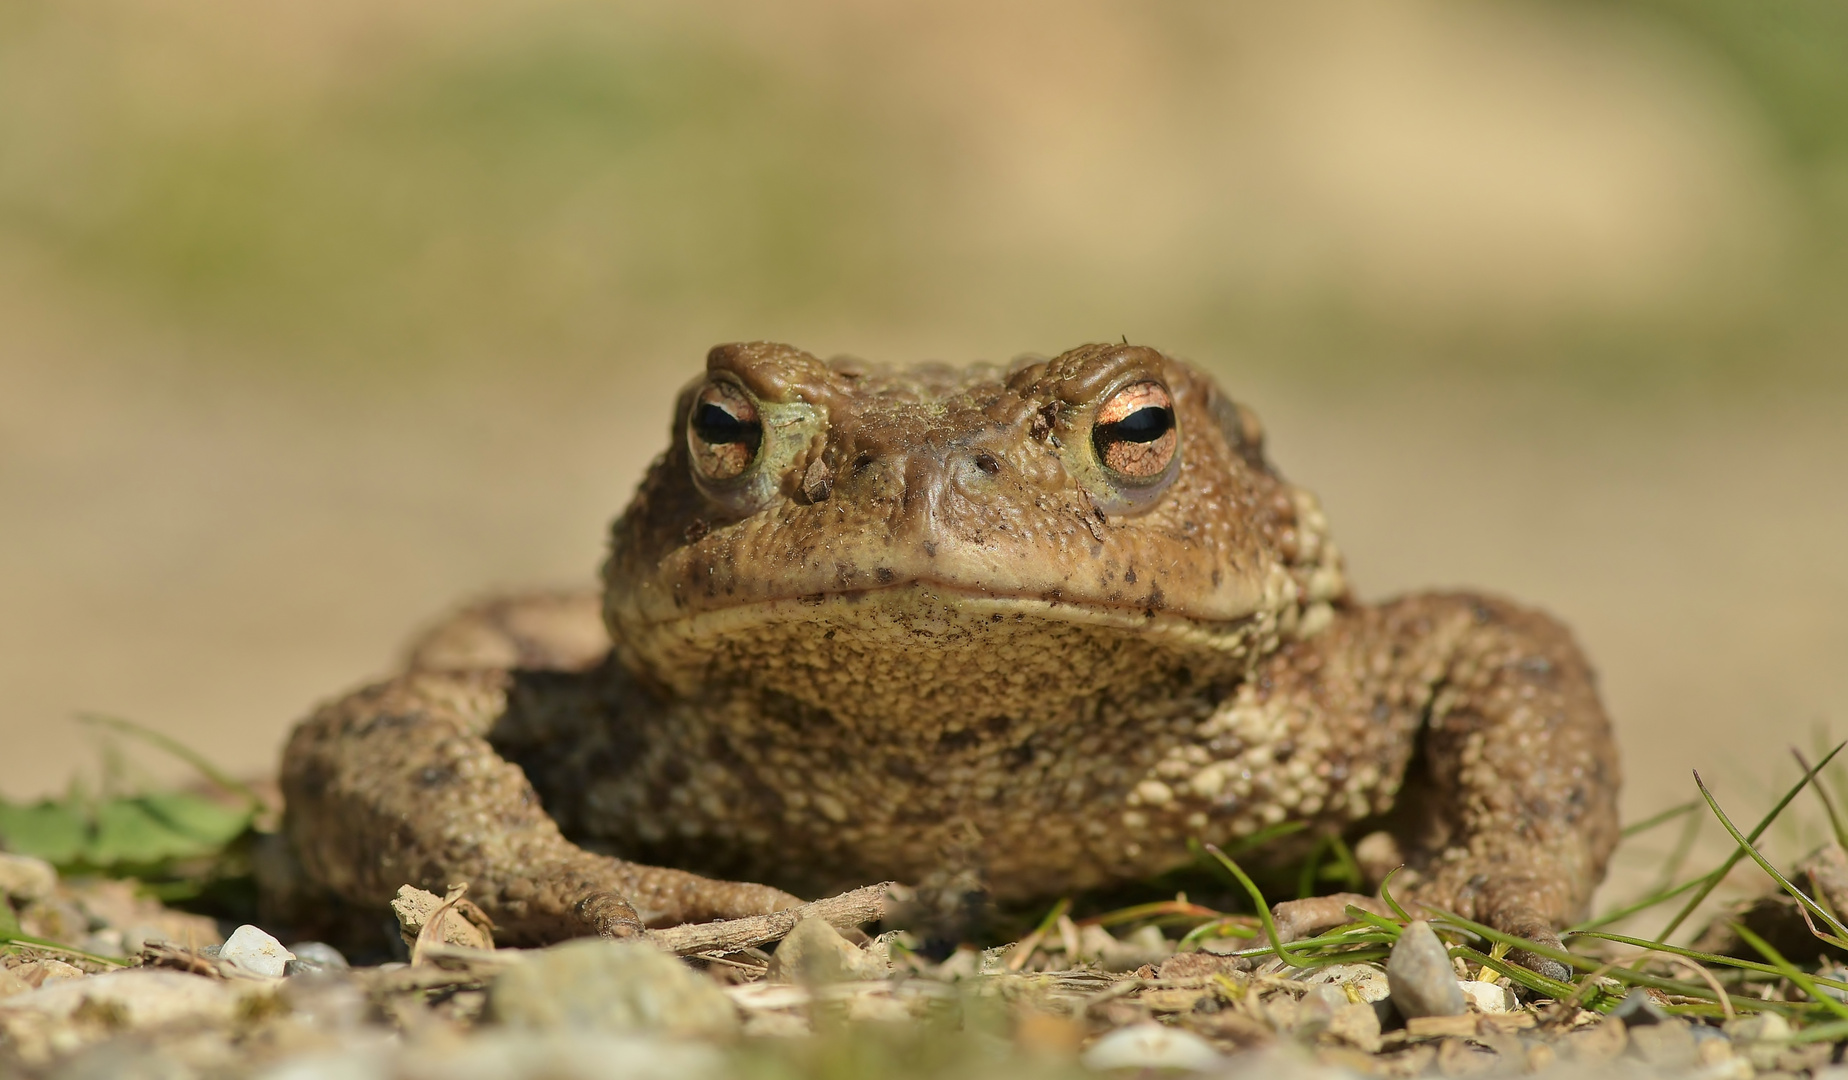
143	991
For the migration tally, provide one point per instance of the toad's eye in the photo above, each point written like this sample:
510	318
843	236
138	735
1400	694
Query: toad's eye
1134	432
724	431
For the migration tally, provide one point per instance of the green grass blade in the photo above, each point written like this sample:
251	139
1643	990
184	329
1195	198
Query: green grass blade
1828	803
1701	957
1765	865
1713	879
1386	895
1641	905
179	750
1670	814
1257	897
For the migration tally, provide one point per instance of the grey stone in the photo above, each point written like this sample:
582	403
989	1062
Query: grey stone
1638	1009
256	952
1422	981
610	986
314	956
815	952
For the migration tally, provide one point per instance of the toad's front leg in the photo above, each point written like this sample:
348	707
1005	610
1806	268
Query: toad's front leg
1507	810
397	784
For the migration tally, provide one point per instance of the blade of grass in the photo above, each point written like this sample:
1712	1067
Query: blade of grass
1226	927
1257	898
1713	879
1764	864
1641	905
179	750
1533	980
1386	895
1670	814
1028	944
1362	915
1173	909
1571	959
1702	957
1828	803
1348	869
1678	855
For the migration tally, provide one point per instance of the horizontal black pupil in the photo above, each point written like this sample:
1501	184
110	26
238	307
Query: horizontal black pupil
1145	425
716	427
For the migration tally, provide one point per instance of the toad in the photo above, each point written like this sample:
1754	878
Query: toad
1042	625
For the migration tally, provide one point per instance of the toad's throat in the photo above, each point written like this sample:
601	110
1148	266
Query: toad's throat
920	659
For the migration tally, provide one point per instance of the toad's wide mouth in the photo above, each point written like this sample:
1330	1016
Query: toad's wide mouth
918	647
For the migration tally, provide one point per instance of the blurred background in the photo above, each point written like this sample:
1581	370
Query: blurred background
315	319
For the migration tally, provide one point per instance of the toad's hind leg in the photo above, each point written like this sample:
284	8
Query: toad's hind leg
399	784
1507	813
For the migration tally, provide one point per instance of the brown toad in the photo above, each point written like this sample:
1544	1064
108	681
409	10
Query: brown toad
1044	623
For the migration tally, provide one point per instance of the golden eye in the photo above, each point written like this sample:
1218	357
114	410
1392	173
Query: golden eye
724	431
1134	433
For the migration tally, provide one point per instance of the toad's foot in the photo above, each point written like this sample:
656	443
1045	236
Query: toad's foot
1507	812
398	784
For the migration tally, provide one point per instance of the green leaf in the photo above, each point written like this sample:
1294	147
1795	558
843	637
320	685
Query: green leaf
154	828
57	832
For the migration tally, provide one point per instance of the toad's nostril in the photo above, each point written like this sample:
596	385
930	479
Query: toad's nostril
987	463
863	461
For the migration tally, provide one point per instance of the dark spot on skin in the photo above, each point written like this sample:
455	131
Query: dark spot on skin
930	548
1101	519
1044	420
1217	577
434	777
675	771
885	575
996	617
1284	752
1382	712
998	725
987	463
901	768
1129	575
958	740
697	530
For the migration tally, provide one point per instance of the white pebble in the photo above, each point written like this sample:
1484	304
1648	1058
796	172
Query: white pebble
1488	997
256	952
1152	1046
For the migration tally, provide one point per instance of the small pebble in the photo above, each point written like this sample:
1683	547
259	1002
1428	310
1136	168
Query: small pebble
613	986
1638	1009
1365	980
1488	997
1150	1045
256	952
25	878
815	952
1420	975
314	956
